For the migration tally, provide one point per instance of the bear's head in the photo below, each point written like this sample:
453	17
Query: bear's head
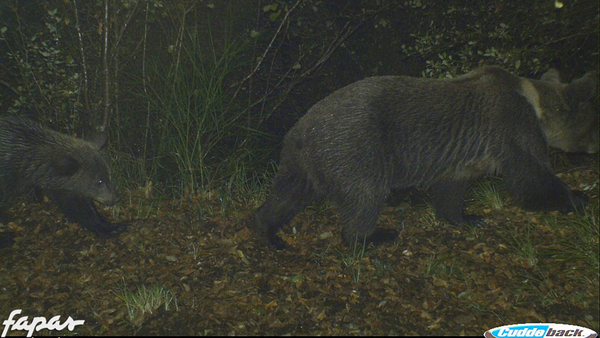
80	168
568	113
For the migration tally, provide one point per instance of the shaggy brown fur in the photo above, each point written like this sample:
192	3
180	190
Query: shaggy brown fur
396	132
69	170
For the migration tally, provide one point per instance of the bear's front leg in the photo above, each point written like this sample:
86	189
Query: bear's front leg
81	210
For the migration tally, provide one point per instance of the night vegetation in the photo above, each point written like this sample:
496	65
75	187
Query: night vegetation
197	97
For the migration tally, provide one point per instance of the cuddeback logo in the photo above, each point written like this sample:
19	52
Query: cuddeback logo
540	330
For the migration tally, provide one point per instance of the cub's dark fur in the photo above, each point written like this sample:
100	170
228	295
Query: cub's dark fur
69	170
396	132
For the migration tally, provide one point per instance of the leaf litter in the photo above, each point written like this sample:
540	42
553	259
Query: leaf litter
434	279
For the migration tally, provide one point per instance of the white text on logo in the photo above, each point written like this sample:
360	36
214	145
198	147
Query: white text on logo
38	323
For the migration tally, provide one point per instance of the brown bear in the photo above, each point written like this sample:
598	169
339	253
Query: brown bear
398	132
69	170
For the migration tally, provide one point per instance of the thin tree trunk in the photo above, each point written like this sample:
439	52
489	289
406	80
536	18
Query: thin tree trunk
86	99
105	70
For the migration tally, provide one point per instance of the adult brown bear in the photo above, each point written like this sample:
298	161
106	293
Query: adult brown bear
397	132
69	170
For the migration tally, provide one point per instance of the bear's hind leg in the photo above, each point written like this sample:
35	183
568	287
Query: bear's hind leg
290	194
359	212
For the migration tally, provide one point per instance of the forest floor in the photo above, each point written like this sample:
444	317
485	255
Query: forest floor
188	267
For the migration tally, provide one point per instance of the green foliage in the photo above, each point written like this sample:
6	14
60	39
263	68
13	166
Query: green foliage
201	94
198	117
578	244
429	217
526	247
353	261
204	134
145	301
454	37
49	77
441	265
488	194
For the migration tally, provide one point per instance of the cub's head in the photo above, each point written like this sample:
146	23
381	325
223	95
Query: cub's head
77	166
568	113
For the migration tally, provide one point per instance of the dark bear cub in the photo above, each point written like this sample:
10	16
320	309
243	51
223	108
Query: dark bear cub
69	170
397	132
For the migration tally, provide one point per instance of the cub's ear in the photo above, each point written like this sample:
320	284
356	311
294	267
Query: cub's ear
64	165
97	139
585	87
552	75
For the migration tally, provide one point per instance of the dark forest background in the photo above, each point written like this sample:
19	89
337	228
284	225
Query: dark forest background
198	95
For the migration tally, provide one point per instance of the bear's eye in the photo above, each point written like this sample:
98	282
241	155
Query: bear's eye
100	182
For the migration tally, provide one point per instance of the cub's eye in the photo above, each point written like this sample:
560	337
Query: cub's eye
101	182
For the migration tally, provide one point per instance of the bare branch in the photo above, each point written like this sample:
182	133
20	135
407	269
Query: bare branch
105	70
285	18
86	99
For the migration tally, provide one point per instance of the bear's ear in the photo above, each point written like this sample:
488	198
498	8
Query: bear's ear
65	165
585	87
552	75
97	139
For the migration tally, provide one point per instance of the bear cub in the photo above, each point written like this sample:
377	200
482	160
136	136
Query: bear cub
70	171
